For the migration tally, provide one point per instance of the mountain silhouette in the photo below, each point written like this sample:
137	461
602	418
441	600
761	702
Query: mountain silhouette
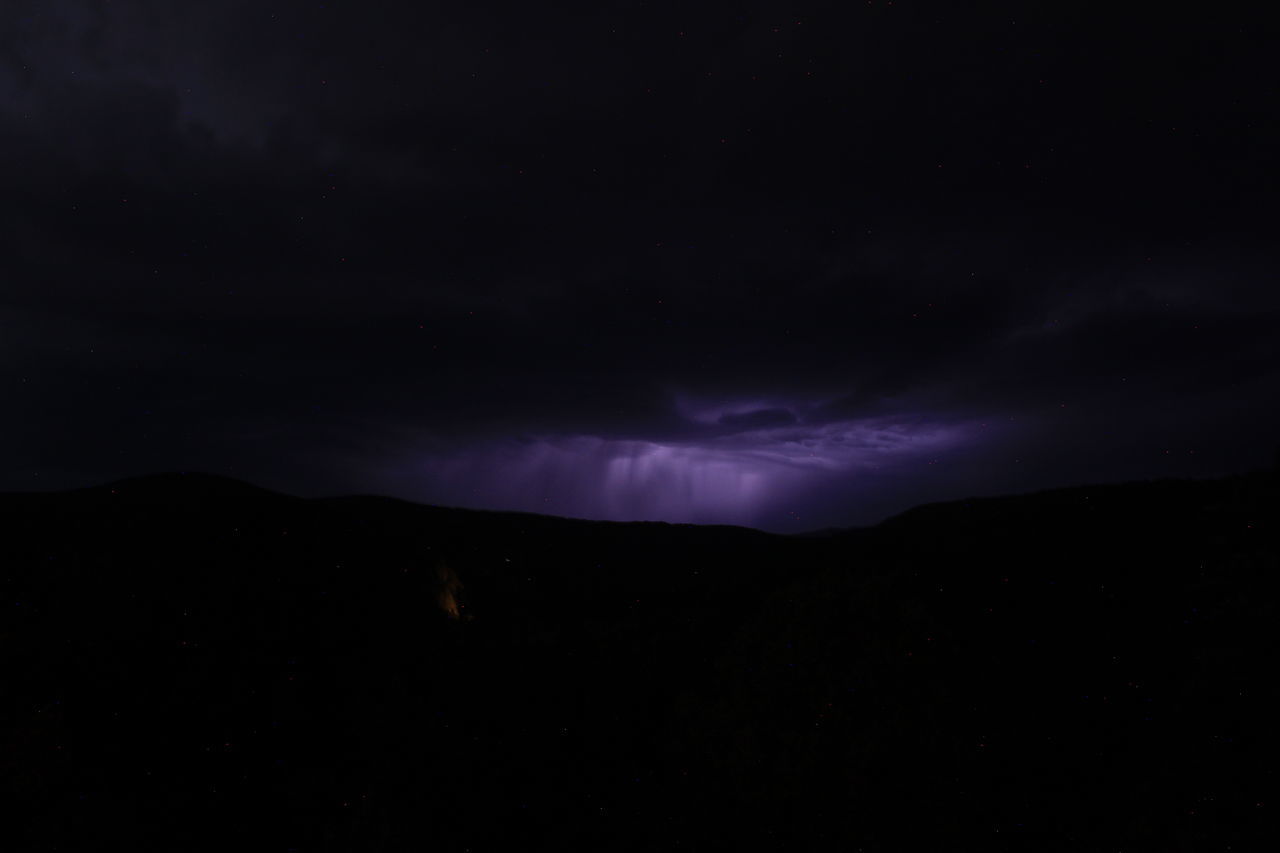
192	662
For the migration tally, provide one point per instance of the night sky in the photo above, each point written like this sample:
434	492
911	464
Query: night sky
778	264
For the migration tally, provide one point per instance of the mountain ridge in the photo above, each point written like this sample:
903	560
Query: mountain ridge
365	673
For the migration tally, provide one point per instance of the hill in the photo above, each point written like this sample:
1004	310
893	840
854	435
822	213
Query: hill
192	663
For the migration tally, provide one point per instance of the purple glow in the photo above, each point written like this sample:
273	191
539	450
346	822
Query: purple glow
729	477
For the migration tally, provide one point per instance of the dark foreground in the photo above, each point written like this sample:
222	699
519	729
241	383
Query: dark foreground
191	663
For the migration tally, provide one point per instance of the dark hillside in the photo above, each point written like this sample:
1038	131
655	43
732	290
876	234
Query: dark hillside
191	663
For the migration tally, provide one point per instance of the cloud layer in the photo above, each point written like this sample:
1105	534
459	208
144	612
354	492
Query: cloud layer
634	261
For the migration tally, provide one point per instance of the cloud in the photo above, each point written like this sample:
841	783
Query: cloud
757	419
754	476
311	243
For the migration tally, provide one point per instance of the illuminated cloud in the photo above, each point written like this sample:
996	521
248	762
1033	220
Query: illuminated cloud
736	477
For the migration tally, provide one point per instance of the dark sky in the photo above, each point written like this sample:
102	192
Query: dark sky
780	264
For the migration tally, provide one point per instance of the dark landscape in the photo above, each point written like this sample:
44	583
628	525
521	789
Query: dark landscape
638	425
194	663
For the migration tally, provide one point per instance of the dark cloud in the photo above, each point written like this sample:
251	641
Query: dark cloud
757	419
342	246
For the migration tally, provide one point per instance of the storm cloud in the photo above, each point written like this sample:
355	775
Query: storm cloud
786	267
